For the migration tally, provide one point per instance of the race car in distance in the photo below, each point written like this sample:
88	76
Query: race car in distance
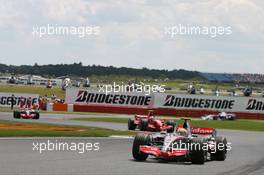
195	147
26	113
150	123
220	116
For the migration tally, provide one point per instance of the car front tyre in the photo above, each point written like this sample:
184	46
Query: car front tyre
37	116
140	140
197	154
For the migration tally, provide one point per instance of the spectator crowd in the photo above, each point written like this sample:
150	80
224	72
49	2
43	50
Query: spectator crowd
226	77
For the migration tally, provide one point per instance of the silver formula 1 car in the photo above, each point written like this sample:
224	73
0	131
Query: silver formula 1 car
220	116
26	113
197	147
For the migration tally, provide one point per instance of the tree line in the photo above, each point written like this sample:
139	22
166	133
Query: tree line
78	69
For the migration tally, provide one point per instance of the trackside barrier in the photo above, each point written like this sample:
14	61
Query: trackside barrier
110	109
182	105
70	108
142	111
93	108
199	113
60	107
49	107
7	98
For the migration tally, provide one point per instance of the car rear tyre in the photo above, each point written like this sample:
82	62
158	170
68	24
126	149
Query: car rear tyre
170	123
131	124
37	116
140	139
197	154
17	114
143	125
214	133
220	154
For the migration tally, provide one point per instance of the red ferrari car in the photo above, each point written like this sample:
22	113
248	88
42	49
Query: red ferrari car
26	114
150	123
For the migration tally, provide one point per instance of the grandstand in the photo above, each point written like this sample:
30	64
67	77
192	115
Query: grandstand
227	77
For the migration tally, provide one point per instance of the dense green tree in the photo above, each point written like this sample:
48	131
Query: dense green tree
78	69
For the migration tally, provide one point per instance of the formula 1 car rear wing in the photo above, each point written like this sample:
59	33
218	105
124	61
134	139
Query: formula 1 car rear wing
201	131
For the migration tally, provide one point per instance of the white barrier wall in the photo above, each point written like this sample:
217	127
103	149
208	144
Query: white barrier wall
167	101
214	103
6	98
93	97
49	107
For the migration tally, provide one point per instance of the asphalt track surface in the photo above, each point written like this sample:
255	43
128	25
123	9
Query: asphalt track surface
114	157
64	119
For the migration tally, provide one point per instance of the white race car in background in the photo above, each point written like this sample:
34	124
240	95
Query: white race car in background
220	116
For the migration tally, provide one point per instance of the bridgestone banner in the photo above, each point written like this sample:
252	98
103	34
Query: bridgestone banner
6	99
169	101
214	103
88	97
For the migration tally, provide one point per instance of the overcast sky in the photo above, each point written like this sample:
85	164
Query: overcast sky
132	33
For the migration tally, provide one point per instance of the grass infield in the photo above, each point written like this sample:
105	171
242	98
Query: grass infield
247	125
27	129
41	90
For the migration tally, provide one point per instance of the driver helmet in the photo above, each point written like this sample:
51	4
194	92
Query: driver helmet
182	132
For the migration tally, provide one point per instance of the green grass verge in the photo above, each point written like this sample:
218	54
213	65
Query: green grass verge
39	133
41	90
79	131
5	109
176	85
247	125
